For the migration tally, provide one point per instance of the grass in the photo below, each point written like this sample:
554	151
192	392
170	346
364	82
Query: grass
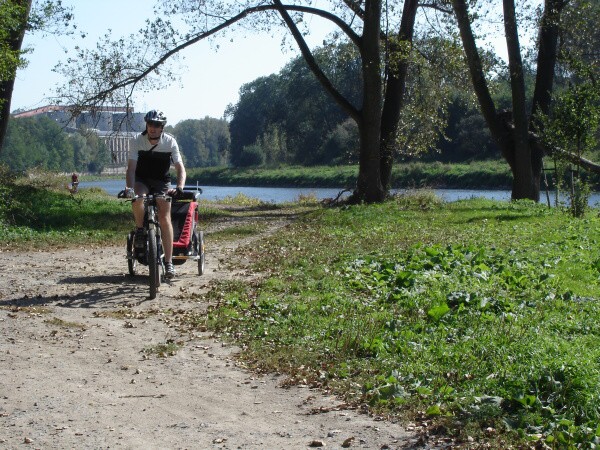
163	350
55	321
477	318
474	315
480	174
38	212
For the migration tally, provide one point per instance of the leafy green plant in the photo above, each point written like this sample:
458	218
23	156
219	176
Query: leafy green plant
163	350
572	128
463	312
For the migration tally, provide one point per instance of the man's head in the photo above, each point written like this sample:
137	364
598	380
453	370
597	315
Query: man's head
155	122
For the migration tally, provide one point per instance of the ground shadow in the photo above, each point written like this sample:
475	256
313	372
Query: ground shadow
93	291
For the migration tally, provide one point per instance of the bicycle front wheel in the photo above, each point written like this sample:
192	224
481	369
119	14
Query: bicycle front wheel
153	263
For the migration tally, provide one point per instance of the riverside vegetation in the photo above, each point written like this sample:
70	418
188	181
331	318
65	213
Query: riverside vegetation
479	318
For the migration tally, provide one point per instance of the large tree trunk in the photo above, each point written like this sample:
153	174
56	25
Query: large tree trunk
369	187
523	185
397	70
512	132
544	81
14	43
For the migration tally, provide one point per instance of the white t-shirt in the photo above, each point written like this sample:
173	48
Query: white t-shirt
153	161
166	144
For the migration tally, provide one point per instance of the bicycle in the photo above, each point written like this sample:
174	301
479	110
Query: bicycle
188	240
151	253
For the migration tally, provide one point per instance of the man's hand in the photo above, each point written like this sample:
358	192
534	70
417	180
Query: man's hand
176	193
126	193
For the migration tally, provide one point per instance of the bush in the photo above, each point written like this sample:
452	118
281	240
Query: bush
252	155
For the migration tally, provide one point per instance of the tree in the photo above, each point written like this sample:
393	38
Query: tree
37	142
517	132
111	72
203	143
16	18
14	14
290	114
259	106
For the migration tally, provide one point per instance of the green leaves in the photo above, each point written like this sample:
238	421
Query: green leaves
484	311
437	312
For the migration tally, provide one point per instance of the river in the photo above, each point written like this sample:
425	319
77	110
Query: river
280	195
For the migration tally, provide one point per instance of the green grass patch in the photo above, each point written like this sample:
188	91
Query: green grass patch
474	314
479	174
56	322
38	212
162	350
237	232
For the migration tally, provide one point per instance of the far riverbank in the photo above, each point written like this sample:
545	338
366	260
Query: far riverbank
477	175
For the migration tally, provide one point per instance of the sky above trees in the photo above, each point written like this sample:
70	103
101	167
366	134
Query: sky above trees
211	74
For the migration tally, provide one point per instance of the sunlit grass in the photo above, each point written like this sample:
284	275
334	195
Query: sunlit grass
473	314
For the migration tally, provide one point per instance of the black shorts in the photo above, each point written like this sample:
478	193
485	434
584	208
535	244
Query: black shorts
154	186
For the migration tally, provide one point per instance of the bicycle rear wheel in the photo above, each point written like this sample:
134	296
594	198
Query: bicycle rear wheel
153	263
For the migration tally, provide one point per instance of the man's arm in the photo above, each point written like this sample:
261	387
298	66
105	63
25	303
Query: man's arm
181	175
130	174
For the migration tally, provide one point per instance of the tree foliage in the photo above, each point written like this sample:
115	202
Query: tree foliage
16	18
204	142
290	116
517	131
304	125
41	142
110	73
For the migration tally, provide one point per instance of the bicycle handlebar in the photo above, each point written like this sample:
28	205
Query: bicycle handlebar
187	195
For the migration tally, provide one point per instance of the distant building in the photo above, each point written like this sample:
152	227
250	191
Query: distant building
115	125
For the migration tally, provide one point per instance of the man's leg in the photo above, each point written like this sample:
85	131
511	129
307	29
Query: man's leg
166	227
138	205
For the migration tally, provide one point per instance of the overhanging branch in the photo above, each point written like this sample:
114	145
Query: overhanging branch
133	80
314	66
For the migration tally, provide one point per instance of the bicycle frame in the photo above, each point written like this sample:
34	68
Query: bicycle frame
153	255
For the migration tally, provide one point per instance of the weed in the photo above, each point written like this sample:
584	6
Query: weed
55	321
163	350
476	311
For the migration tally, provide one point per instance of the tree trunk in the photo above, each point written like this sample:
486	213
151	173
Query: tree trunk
14	43
498	130
544	81
397	70
523	185
369	187
513	132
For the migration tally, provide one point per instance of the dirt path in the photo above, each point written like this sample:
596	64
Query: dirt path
74	373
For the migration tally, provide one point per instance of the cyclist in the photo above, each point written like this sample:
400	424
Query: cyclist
150	157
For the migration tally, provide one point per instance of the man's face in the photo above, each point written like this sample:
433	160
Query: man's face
154	130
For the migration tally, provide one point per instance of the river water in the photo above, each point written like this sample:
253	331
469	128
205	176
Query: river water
280	195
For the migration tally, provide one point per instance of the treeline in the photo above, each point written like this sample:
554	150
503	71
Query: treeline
288	117
285	118
41	142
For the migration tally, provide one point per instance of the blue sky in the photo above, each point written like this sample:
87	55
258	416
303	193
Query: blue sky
210	79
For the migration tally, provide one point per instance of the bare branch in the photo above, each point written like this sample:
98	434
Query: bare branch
314	66
355	8
131	77
438	7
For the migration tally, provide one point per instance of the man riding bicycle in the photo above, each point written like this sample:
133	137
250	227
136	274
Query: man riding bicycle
150	157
